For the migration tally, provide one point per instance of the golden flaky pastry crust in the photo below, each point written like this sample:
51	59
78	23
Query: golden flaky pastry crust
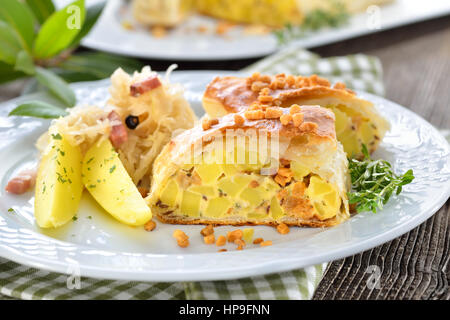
323	132
234	94
313	223
323	118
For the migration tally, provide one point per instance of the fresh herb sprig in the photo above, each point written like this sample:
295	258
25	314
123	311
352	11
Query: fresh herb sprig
337	15
374	182
39	42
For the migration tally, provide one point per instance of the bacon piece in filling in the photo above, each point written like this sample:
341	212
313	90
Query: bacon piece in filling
142	87
22	182
118	133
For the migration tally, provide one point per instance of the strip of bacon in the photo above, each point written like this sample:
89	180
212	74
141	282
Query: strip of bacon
24	181
148	84
118	133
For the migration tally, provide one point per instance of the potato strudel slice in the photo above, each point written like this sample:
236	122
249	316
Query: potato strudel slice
258	167
357	120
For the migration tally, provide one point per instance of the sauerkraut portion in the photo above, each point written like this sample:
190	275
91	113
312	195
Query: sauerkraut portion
159	107
163	111
83	126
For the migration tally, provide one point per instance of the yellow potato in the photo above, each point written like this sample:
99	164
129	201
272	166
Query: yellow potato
170	193
248	235
218	207
58	184
191	203
300	171
209	173
324	197
109	183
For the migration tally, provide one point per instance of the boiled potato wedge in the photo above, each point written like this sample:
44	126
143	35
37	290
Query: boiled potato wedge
58	183
105	177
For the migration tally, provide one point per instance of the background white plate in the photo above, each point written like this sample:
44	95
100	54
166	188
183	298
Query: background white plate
184	44
104	248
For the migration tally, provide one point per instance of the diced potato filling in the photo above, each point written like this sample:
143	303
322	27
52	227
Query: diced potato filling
207	191
233	186
227	190
253	196
300	171
353	130
209	172
218	207
275	209
324	197
190	203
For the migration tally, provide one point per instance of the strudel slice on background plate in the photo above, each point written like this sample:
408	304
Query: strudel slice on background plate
274	13
264	166
357	120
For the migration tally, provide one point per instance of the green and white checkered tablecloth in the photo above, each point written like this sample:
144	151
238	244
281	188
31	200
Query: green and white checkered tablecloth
17	281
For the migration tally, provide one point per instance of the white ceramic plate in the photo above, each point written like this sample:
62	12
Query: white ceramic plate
104	248
185	43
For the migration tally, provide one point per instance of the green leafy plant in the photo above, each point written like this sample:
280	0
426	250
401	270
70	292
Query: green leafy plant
374	182
38	43
317	19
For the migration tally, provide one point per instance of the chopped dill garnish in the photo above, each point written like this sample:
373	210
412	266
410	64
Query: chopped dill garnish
60	178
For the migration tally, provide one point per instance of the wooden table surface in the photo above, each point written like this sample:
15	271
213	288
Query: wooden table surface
416	62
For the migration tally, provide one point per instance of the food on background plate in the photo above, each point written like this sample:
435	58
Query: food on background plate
357	120
110	150
281	165
166	13
266	12
278	13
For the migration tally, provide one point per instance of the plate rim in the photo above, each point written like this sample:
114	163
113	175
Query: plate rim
267	267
